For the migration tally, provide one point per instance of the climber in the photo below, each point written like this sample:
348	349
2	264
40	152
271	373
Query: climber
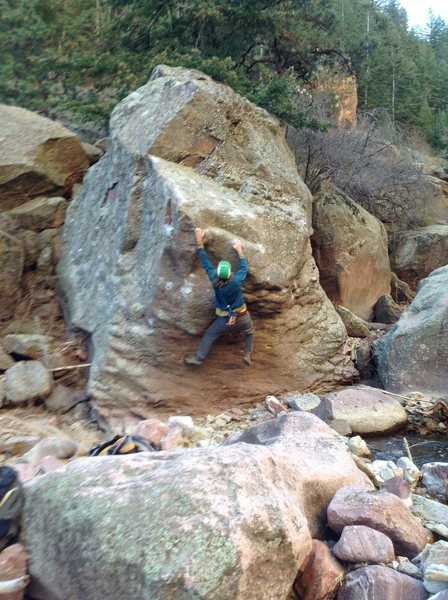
231	310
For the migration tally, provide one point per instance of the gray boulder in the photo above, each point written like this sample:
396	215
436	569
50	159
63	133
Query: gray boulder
413	355
27	380
231	522
28	345
381	583
212	159
386	310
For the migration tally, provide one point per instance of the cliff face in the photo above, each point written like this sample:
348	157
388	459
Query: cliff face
129	271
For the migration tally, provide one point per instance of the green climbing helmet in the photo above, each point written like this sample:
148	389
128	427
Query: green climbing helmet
224	269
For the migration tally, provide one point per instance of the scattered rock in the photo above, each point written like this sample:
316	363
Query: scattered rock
384	470
407	568
186	424
28	345
355	326
320	576
173	439
411	473
27	380
381	583
382	511
400	488
367	410
17	445
52	446
274	406
386	310
359	544
435	479
357	446
435	578
5	360
39	214
152	430
63	398
298	401
13	575
433	514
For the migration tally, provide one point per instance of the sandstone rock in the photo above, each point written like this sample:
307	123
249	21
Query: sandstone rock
27	380
216	516
13	572
152	430
355	326
435	479
48	464
63	398
12	259
411	473
386	310
40	213
173	439
52	446
351	252
379	510
359	543
17	445
400	488
5	360
297	401
434	554
31	346
341	426
25	471
415	254
380	583
413	355
274	406
357	446
209	158
320	576
367	410
37	156
185	423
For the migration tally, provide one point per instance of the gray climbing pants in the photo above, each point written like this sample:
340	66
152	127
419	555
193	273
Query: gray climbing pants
219	326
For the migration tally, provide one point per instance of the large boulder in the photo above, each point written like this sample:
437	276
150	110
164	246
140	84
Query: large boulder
351	252
415	254
227	522
37	156
413	355
212	159
367	410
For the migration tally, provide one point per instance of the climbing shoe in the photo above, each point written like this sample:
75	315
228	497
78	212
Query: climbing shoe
193	360
246	359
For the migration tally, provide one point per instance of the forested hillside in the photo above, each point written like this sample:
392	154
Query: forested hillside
79	57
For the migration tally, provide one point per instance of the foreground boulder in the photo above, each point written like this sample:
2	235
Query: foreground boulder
37	156
350	248
367	410
227	522
415	254
381	511
413	355
381	583
231	172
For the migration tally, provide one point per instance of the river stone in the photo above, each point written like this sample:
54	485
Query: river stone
12	259
400	488
27	380
435	479
13	561
5	360
357	446
381	583
28	345
430	512
355	326
359	543
386	310
354	505
367	410
436	578
320	576
297	401
351	251
411	473
37	156
384	470
209	158
413	355
40	213
415	254
434	554
231	522
440	596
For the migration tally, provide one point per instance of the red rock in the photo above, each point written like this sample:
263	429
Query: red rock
435	479
173	439
25	471
49	464
381	583
152	430
359	543
397	486
321	575
355	505
13	566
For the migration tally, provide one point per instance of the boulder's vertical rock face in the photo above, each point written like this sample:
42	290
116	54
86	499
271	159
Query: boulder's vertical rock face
350	248
185	152
37	156
413	355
